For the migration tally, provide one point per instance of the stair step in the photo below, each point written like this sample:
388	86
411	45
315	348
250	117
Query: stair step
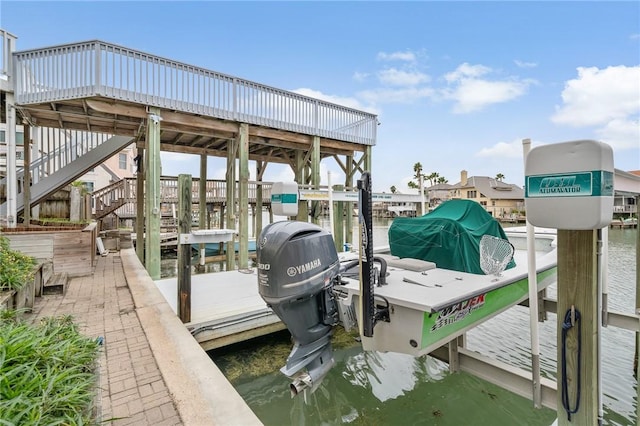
57	284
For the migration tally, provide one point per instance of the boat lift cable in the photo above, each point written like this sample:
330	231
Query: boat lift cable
571	319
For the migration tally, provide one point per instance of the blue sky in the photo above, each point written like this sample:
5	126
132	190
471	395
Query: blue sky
456	85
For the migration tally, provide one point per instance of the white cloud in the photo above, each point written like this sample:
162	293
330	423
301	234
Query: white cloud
406	56
395	77
406	95
597	97
523	64
360	76
621	134
607	99
474	94
339	100
466	71
502	150
634	36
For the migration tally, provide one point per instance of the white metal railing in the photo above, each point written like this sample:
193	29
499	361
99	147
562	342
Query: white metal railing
96	68
8	41
56	148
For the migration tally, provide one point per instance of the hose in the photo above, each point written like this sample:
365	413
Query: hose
571	319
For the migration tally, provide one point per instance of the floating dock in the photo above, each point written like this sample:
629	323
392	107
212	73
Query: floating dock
225	308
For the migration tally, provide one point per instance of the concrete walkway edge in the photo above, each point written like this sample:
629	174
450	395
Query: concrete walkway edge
201	393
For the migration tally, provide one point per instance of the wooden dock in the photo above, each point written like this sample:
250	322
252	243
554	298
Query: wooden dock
626	223
225	308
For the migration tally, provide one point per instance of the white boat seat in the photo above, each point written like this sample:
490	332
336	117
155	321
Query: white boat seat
408	263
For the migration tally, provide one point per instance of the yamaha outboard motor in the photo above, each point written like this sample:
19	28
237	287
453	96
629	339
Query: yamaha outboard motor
297	269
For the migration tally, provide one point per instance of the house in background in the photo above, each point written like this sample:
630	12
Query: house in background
118	167
500	199
624	203
438	194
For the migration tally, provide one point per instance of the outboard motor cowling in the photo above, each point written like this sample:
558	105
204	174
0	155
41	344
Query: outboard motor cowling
297	269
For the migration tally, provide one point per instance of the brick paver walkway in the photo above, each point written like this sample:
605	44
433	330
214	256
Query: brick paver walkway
131	386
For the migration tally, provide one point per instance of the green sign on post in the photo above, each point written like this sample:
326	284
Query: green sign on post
597	183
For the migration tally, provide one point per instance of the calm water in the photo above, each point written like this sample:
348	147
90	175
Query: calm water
370	388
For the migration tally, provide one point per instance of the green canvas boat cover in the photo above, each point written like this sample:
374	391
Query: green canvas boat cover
449	235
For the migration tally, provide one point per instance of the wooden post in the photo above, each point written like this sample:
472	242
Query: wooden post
243	196
338	221
315	178
140	205
348	206
184	250
152	195
260	168
303	206
578	287
202	206
231	199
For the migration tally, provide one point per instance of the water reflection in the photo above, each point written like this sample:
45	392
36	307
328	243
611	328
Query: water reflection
369	388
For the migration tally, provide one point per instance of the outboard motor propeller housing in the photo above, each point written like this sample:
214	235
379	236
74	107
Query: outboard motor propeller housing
297	269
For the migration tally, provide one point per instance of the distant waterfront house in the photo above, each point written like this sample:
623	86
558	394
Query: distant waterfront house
499	198
624	203
438	194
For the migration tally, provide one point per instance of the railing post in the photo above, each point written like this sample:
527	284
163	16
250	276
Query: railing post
12	189
98	62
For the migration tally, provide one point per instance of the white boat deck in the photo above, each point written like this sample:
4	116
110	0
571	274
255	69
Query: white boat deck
434	289
225	307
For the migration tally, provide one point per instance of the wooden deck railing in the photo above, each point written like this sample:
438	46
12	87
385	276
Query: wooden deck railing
120	197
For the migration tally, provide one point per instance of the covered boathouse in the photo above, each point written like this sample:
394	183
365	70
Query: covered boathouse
126	96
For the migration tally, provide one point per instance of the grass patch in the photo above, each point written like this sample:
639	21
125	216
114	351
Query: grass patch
47	372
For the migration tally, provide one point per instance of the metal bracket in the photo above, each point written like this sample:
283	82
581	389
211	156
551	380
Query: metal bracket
207	236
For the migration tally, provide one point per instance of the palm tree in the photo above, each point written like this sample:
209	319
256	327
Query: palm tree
432	178
417	175
442	179
499	177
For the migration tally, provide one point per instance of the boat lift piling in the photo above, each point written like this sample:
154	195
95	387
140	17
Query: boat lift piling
186	237
560	179
184	251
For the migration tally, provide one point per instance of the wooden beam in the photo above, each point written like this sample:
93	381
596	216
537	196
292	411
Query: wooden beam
167	116
217	153
297	145
80	126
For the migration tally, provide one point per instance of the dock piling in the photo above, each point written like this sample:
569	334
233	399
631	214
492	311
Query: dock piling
184	250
